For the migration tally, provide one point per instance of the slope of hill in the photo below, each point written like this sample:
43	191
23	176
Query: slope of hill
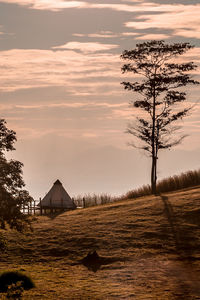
154	243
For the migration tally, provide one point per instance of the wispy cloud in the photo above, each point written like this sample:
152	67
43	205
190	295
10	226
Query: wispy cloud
54	5
38	120
106	34
101	34
129	33
188	33
86	47
179	19
67	105
57	5
87	73
132	6
152	36
81	73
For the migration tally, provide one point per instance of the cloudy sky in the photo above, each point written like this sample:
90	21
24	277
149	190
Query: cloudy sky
60	89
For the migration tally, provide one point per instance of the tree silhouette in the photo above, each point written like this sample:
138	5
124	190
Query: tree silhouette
12	194
161	81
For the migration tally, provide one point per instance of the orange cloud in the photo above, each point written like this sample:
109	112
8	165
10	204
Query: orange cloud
152	37
180	19
54	5
79	72
57	5
86	47
67	105
188	33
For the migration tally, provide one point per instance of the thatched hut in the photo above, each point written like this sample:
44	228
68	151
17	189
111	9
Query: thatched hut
57	199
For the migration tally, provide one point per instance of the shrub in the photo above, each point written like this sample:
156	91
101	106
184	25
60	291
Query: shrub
12	277
15	290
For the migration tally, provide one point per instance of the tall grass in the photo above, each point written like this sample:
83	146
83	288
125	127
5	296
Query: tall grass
172	183
89	200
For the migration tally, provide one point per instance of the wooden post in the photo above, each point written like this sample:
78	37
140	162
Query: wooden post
83	202
28	209
51	205
34	207
40	207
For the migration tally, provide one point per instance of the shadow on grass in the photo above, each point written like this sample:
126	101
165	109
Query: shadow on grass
182	236
186	243
168	210
54	215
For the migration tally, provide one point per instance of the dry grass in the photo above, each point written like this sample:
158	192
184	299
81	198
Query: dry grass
154	241
173	183
89	200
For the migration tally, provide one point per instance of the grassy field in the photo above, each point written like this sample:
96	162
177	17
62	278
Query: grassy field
154	242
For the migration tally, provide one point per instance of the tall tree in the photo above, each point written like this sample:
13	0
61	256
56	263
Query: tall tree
12	194
160	84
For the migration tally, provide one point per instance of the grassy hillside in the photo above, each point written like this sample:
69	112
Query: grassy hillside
154	243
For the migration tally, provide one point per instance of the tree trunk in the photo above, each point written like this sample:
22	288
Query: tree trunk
153	145
153	175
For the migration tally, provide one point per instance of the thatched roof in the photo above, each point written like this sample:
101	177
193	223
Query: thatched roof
57	197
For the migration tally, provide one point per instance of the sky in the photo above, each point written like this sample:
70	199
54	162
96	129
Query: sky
60	90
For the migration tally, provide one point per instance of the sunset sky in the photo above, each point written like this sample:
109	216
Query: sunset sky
60	90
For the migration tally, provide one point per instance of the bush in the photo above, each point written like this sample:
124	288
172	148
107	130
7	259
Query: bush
15	290
12	277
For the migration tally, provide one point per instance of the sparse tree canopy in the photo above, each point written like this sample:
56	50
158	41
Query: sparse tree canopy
12	194
160	84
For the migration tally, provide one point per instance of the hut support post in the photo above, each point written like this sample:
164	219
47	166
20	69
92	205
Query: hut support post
51	209
83	202
40	207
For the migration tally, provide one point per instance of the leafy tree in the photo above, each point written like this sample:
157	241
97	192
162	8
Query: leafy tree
160	84
12	194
